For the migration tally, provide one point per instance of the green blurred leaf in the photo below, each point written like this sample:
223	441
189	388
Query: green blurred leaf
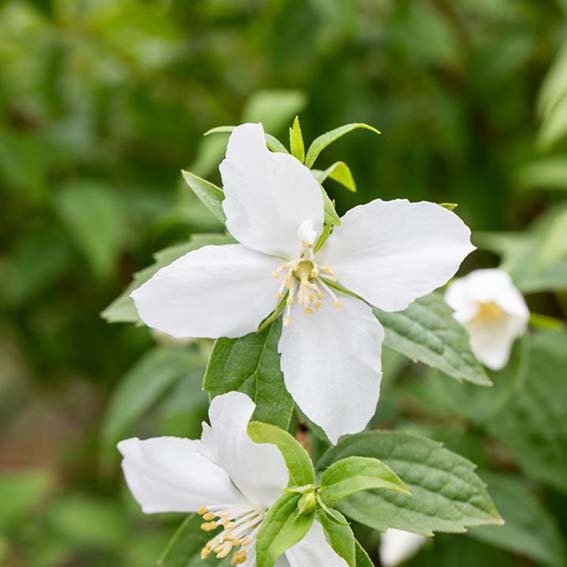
281	529
96	221
320	143
298	462
533	425
547	173
427	332
251	364
356	474
142	386
530	529
446	494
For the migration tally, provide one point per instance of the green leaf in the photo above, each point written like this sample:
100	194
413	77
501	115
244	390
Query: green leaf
339	172
281	529
143	385
96	222
427	332
251	364
355	474
362	559
446	494
184	548
339	536
548	173
331	216
122	309
533	425
320	143
271	141
298	462
530	530
296	141
210	195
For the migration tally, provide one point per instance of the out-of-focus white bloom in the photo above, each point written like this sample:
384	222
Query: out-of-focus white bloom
396	546
492	310
387	252
225	477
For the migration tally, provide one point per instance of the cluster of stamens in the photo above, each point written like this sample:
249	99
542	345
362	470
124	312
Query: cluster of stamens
305	282
240	526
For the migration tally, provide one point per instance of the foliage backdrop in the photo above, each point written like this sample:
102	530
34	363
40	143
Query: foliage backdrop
103	102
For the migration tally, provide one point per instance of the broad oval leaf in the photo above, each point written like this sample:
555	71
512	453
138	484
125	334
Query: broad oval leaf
355	474
427	332
446	494
251	364
281	529
320	143
298	462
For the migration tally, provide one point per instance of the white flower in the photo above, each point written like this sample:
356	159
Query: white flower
387	252
396	546
492	310
226	478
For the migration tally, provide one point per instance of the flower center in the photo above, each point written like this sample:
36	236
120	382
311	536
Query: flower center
488	312
240	527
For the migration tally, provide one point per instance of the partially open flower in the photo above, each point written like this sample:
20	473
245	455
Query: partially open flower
397	546
493	311
388	253
226	478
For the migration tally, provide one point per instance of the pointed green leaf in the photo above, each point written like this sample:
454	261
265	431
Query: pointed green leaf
446	494
427	332
339	172
296	141
331	216
298	462
339	536
355	474
320	143
281	529
362	559
210	195
251	364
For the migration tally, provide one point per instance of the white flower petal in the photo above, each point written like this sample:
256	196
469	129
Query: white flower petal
396	546
258	470
492	336
267	195
392	252
314	551
331	364
168	474
216	291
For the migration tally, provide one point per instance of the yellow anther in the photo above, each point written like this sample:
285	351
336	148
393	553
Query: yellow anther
337	304
202	511
238	558
286	321
208	516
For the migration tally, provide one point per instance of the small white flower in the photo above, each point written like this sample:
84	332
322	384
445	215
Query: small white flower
396	546
226	478
387	252
493	311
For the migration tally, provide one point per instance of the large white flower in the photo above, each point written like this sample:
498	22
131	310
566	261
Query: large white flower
397	546
226	478
387	252
492	310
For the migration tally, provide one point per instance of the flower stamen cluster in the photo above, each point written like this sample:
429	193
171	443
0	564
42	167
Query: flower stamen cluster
240	527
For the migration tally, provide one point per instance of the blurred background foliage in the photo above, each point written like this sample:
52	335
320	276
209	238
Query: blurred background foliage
102	102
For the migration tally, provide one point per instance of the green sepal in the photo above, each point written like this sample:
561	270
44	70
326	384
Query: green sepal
320	143
296	144
339	172
282	528
355	474
298	462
